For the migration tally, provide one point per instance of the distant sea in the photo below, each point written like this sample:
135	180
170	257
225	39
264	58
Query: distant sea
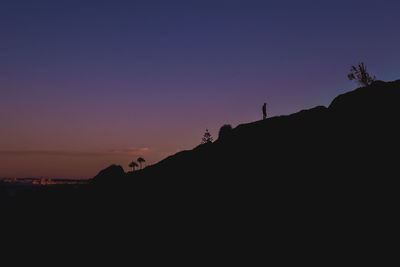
13	186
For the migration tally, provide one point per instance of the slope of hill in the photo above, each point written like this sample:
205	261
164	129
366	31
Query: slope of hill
346	148
310	182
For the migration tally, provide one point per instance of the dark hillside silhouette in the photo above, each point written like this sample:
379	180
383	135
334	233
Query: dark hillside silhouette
318	153
317	176
224	131
112	174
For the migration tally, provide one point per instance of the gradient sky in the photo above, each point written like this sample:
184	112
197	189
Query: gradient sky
84	84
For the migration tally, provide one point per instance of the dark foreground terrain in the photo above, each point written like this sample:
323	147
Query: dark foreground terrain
321	175
345	151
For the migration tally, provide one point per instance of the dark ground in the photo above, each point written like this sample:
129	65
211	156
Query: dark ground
320	178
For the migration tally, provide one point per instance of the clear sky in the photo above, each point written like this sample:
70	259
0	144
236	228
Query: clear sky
84	84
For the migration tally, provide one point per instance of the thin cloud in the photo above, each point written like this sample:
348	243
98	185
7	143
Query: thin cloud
77	153
129	151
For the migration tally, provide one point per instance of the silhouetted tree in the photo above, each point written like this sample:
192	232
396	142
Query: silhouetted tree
360	75
207	138
140	160
133	165
224	131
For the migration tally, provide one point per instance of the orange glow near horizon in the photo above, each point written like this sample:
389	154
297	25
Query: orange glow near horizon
84	85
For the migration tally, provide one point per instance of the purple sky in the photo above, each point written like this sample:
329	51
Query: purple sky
84	84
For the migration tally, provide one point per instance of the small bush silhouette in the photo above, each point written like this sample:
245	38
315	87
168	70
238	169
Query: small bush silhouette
360	75
207	138
224	131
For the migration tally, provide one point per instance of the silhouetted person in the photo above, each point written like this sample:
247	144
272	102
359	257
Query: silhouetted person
264	110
